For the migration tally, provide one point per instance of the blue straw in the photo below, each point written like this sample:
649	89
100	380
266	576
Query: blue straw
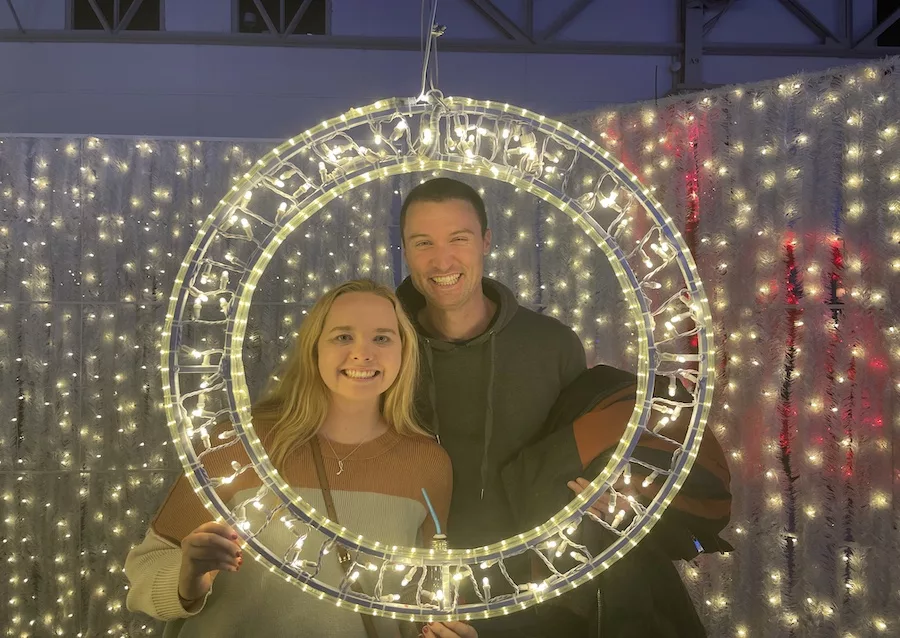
437	523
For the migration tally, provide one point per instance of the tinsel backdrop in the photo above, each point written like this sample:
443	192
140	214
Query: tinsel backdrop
788	193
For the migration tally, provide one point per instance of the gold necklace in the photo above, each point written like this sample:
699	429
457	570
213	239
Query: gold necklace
341	460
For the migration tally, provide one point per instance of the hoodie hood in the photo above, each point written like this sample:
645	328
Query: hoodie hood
413	301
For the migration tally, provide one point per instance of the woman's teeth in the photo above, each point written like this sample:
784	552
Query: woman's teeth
360	374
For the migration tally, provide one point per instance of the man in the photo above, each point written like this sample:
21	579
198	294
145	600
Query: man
491	372
506	391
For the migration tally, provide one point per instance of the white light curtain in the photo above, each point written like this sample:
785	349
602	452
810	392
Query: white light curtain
788	191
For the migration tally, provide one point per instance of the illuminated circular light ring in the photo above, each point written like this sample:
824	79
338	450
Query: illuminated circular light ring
477	151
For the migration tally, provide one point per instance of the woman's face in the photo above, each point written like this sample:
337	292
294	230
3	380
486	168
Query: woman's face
360	348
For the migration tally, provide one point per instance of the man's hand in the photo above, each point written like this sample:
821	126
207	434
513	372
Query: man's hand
453	629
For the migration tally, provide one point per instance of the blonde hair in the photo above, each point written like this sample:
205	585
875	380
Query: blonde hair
297	398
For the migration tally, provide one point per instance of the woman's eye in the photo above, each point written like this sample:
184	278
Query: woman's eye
382	339
342	338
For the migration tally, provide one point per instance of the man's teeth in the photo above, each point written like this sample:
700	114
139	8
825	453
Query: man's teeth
359	374
446	280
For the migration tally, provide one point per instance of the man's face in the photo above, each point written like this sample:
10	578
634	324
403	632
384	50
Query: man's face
445	251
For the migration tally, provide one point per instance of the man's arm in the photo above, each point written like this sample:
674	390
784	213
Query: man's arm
535	479
582	430
573	361
537	472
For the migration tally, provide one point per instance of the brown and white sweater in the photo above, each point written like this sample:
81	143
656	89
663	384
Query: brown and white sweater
378	495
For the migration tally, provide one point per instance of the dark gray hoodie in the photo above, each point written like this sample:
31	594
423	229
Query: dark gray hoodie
487	398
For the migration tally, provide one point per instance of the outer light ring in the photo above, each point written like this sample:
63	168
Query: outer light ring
232	369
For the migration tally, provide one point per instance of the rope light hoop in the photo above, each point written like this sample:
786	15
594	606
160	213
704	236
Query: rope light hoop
203	376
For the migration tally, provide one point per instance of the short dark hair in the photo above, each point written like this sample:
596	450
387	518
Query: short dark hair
441	189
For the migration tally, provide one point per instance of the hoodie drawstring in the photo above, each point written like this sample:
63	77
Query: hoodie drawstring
488	414
489	409
432	393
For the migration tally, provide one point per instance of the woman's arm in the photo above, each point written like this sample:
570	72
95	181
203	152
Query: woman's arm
153	568
156	568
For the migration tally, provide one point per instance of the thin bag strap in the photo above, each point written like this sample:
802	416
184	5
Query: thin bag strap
323	478
343	554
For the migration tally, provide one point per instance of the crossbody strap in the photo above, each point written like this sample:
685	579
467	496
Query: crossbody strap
343	554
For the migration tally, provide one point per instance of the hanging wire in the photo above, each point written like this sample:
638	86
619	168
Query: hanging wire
430	42
422	31
436	31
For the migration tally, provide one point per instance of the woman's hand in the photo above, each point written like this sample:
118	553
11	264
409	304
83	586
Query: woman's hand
453	629
205	552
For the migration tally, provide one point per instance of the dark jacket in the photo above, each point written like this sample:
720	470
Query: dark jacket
486	399
642	594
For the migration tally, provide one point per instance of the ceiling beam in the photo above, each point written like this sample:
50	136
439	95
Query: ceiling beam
102	18
529	18
846	20
692	35
811	21
710	24
297	17
126	19
564	18
15	16
871	37
266	18
500	20
661	49
386	43
775	49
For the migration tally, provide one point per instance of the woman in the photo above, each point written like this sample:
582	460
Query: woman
346	393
